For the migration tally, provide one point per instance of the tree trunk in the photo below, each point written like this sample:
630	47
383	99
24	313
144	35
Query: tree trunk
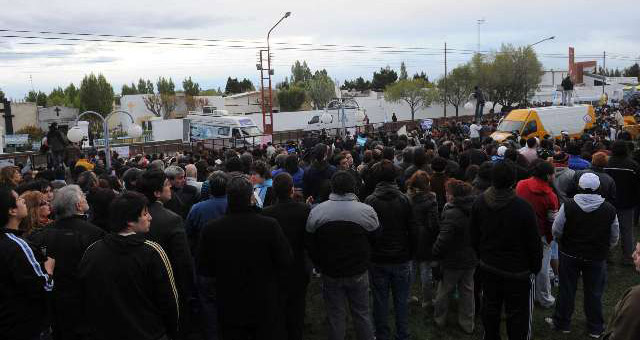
456	106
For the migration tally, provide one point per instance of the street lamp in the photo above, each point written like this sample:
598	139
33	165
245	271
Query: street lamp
526	90
75	134
270	73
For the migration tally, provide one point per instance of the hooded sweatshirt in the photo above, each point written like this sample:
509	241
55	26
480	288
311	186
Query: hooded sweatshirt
540	195
129	289
586	240
505	235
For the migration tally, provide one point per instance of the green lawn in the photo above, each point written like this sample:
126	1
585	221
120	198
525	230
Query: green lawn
422	327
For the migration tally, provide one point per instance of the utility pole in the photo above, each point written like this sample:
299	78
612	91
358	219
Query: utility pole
480	22
604	69
445	79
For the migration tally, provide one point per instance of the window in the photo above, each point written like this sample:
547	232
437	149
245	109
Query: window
530	128
510	126
314	120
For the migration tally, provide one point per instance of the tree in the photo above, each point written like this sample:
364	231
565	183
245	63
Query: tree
56	97
190	87
167	92
40	98
211	92
291	99
632	71
422	76
300	73
459	86
383	78
321	89
2	96
145	86
234	86
96	94
403	71
165	86
127	90
71	98
153	103
415	93
34	132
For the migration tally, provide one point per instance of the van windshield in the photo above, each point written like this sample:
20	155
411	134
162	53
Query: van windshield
250	131
510	126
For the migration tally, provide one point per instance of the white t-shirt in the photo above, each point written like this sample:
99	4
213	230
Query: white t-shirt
474	130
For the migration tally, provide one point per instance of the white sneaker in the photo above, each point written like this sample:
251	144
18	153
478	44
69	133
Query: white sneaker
550	322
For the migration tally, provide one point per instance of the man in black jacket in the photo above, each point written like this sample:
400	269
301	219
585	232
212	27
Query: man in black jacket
167	229
505	236
24	279
127	281
183	196
393	249
339	245
245	252
292	217
626	174
66	241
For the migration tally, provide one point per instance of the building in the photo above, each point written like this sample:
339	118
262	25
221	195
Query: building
577	70
64	116
245	103
21	115
134	104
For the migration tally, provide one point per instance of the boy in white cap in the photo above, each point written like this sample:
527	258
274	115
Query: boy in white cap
586	227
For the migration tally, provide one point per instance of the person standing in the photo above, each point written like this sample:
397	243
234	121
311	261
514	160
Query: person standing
127	281
567	91
292	217
586	227
474	130
538	192
624	323
393	248
57	144
456	255
66	241
25	276
167	229
245	252
394	118
339	231
183	196
477	93
505	236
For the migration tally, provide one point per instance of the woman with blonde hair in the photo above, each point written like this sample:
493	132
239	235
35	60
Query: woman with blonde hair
38	211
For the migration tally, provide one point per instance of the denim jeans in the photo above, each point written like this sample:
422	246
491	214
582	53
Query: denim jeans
355	290
426	279
543	282
627	240
479	110
594	277
394	278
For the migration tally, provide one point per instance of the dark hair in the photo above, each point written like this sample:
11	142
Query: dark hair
218	183
319	152
485	170
541	169
503	175
407	154
531	142
99	199
388	153
385	171
262	169
130	178
233	164
87	180
438	164
342	182
149	182
471	173
37	185
239	191
458	188
419	157
282	185
125	208
7	202
511	154
619	148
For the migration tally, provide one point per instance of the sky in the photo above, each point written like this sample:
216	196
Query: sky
348	38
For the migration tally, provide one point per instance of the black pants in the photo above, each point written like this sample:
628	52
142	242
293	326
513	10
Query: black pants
516	295
293	305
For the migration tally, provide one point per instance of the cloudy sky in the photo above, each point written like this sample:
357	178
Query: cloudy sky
349	38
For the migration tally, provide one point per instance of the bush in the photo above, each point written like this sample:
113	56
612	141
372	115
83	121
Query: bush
35	133
291	99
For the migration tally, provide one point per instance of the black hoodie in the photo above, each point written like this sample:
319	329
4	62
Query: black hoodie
505	235
129	289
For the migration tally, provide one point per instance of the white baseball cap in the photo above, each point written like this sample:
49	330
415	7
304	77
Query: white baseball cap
589	181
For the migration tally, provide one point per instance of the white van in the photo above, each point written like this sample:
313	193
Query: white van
218	124
333	120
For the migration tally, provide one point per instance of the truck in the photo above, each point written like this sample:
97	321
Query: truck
542	121
331	119
219	124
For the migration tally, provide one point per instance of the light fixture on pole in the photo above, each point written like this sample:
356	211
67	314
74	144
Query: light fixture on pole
543	40
267	110
75	134
526	90
479	22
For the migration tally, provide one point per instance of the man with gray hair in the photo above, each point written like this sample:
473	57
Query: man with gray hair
66	241
191	174
183	196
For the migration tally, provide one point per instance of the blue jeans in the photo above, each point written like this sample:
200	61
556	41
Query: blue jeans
355	290
394	278
594	277
426	279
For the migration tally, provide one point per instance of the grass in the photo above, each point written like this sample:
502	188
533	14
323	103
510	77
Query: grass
421	325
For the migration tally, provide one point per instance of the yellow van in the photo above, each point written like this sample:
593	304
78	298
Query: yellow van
549	120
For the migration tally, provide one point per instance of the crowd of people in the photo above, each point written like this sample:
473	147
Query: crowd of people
222	244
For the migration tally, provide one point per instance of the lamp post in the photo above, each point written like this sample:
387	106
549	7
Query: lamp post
526	90
75	134
479	22
270	73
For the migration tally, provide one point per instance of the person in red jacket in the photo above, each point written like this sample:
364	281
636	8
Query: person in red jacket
538	192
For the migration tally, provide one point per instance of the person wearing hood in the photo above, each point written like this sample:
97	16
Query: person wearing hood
505	237
393	248
456	255
425	211
127	281
607	189
538	192
586	228
563	176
